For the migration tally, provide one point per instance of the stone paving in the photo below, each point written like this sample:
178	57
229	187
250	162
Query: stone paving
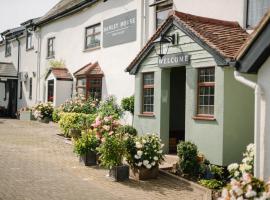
37	164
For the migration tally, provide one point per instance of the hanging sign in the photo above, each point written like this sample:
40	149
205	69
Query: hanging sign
174	60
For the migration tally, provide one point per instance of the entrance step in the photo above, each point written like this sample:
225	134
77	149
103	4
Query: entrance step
169	162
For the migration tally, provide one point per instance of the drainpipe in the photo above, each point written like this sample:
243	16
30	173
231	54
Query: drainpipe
38	66
142	23
19	55
258	135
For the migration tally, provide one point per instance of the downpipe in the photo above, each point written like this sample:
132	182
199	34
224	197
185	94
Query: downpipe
258	135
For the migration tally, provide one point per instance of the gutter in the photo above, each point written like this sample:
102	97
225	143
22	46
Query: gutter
258	134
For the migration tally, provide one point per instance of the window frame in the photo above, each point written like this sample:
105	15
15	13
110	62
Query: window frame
204	84
29	34
51	54
7	48
163	6
152	86
92	35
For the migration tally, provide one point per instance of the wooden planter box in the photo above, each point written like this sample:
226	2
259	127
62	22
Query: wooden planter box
144	174
119	173
89	159
26	115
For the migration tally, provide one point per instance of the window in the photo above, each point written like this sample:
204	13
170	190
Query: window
148	93
162	12
29	40
81	86
90	87
30	88
92	36
50	48
8	49
50	91
255	11
206	92
21	88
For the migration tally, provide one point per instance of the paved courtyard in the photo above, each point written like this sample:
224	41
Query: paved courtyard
37	164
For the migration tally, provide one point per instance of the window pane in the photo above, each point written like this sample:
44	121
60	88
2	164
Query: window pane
162	15
256	10
92	37
148	79
81	82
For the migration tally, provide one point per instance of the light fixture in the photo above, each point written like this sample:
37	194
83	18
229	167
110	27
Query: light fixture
162	44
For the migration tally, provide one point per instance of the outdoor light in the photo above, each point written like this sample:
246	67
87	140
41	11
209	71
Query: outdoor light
162	44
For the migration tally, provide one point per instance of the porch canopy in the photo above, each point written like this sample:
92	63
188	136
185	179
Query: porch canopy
60	73
8	70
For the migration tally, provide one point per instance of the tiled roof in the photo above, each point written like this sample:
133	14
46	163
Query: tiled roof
224	37
64	7
61	73
89	69
7	70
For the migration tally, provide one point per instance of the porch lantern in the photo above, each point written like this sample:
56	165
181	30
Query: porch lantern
162	44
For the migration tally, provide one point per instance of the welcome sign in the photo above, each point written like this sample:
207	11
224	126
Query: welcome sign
120	29
174	60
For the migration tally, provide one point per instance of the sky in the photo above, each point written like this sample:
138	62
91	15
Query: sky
14	12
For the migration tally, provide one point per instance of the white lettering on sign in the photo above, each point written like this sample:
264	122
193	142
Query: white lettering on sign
174	60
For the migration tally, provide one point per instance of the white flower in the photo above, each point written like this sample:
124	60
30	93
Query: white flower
236	173
145	162
162	145
143	141
153	163
156	158
160	151
250	147
139	153
137	157
251	193
233	166
138	145
139	164
148	166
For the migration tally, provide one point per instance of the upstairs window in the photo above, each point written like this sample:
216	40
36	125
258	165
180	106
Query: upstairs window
50	48
206	92
256	9
29	41
8	49
163	9
92	36
148	93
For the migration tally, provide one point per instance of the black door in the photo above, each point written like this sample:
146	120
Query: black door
50	90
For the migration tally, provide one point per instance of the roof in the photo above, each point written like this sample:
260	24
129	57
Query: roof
60	73
256	49
7	70
90	69
223	38
63	8
30	22
11	33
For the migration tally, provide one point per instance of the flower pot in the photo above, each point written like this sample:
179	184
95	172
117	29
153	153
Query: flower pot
75	133
144	173
119	173
26	115
89	159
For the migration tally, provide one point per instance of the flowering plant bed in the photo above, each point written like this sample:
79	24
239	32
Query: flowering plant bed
43	111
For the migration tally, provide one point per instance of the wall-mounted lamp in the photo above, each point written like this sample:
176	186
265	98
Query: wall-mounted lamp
162	44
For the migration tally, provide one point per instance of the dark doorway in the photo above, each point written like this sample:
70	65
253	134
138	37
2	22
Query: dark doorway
8	98
177	107
50	90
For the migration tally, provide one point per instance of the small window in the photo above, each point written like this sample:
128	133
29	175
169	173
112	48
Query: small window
148	93
255	11
29	41
206	92
50	48
92	36
162	12
81	86
95	88
8	48
30	88
21	88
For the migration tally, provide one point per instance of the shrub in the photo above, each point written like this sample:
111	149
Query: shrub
187	153
128	104
43	110
217	172
144	151
127	129
88	142
112	151
212	183
56	115
109	107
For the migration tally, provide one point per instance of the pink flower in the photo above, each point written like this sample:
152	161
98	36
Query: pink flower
111	133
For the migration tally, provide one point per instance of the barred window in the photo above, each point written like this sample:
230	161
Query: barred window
206	91
148	93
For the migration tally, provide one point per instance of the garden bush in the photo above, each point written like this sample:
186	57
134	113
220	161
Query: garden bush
43	110
127	129
128	104
56	115
211	183
88	142
109	107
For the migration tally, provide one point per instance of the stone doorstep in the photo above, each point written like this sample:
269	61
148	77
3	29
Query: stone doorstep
169	162
208	192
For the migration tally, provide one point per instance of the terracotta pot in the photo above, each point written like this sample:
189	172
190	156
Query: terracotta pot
119	173
144	173
89	159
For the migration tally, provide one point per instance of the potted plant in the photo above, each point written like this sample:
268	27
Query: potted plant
85	147
43	112
26	114
111	153
144	154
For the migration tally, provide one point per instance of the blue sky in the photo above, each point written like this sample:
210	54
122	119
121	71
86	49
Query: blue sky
14	12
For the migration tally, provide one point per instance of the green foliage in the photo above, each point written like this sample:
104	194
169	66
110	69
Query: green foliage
218	172
43	110
56	115
88	142
127	129
57	63
128	104
109	107
112	151
187	153
212	184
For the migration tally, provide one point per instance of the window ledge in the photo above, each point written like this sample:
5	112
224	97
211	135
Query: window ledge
146	115
50	57
204	118
91	49
30	48
8	55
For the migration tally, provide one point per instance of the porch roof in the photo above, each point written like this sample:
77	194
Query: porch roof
60	73
90	69
219	37
8	70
